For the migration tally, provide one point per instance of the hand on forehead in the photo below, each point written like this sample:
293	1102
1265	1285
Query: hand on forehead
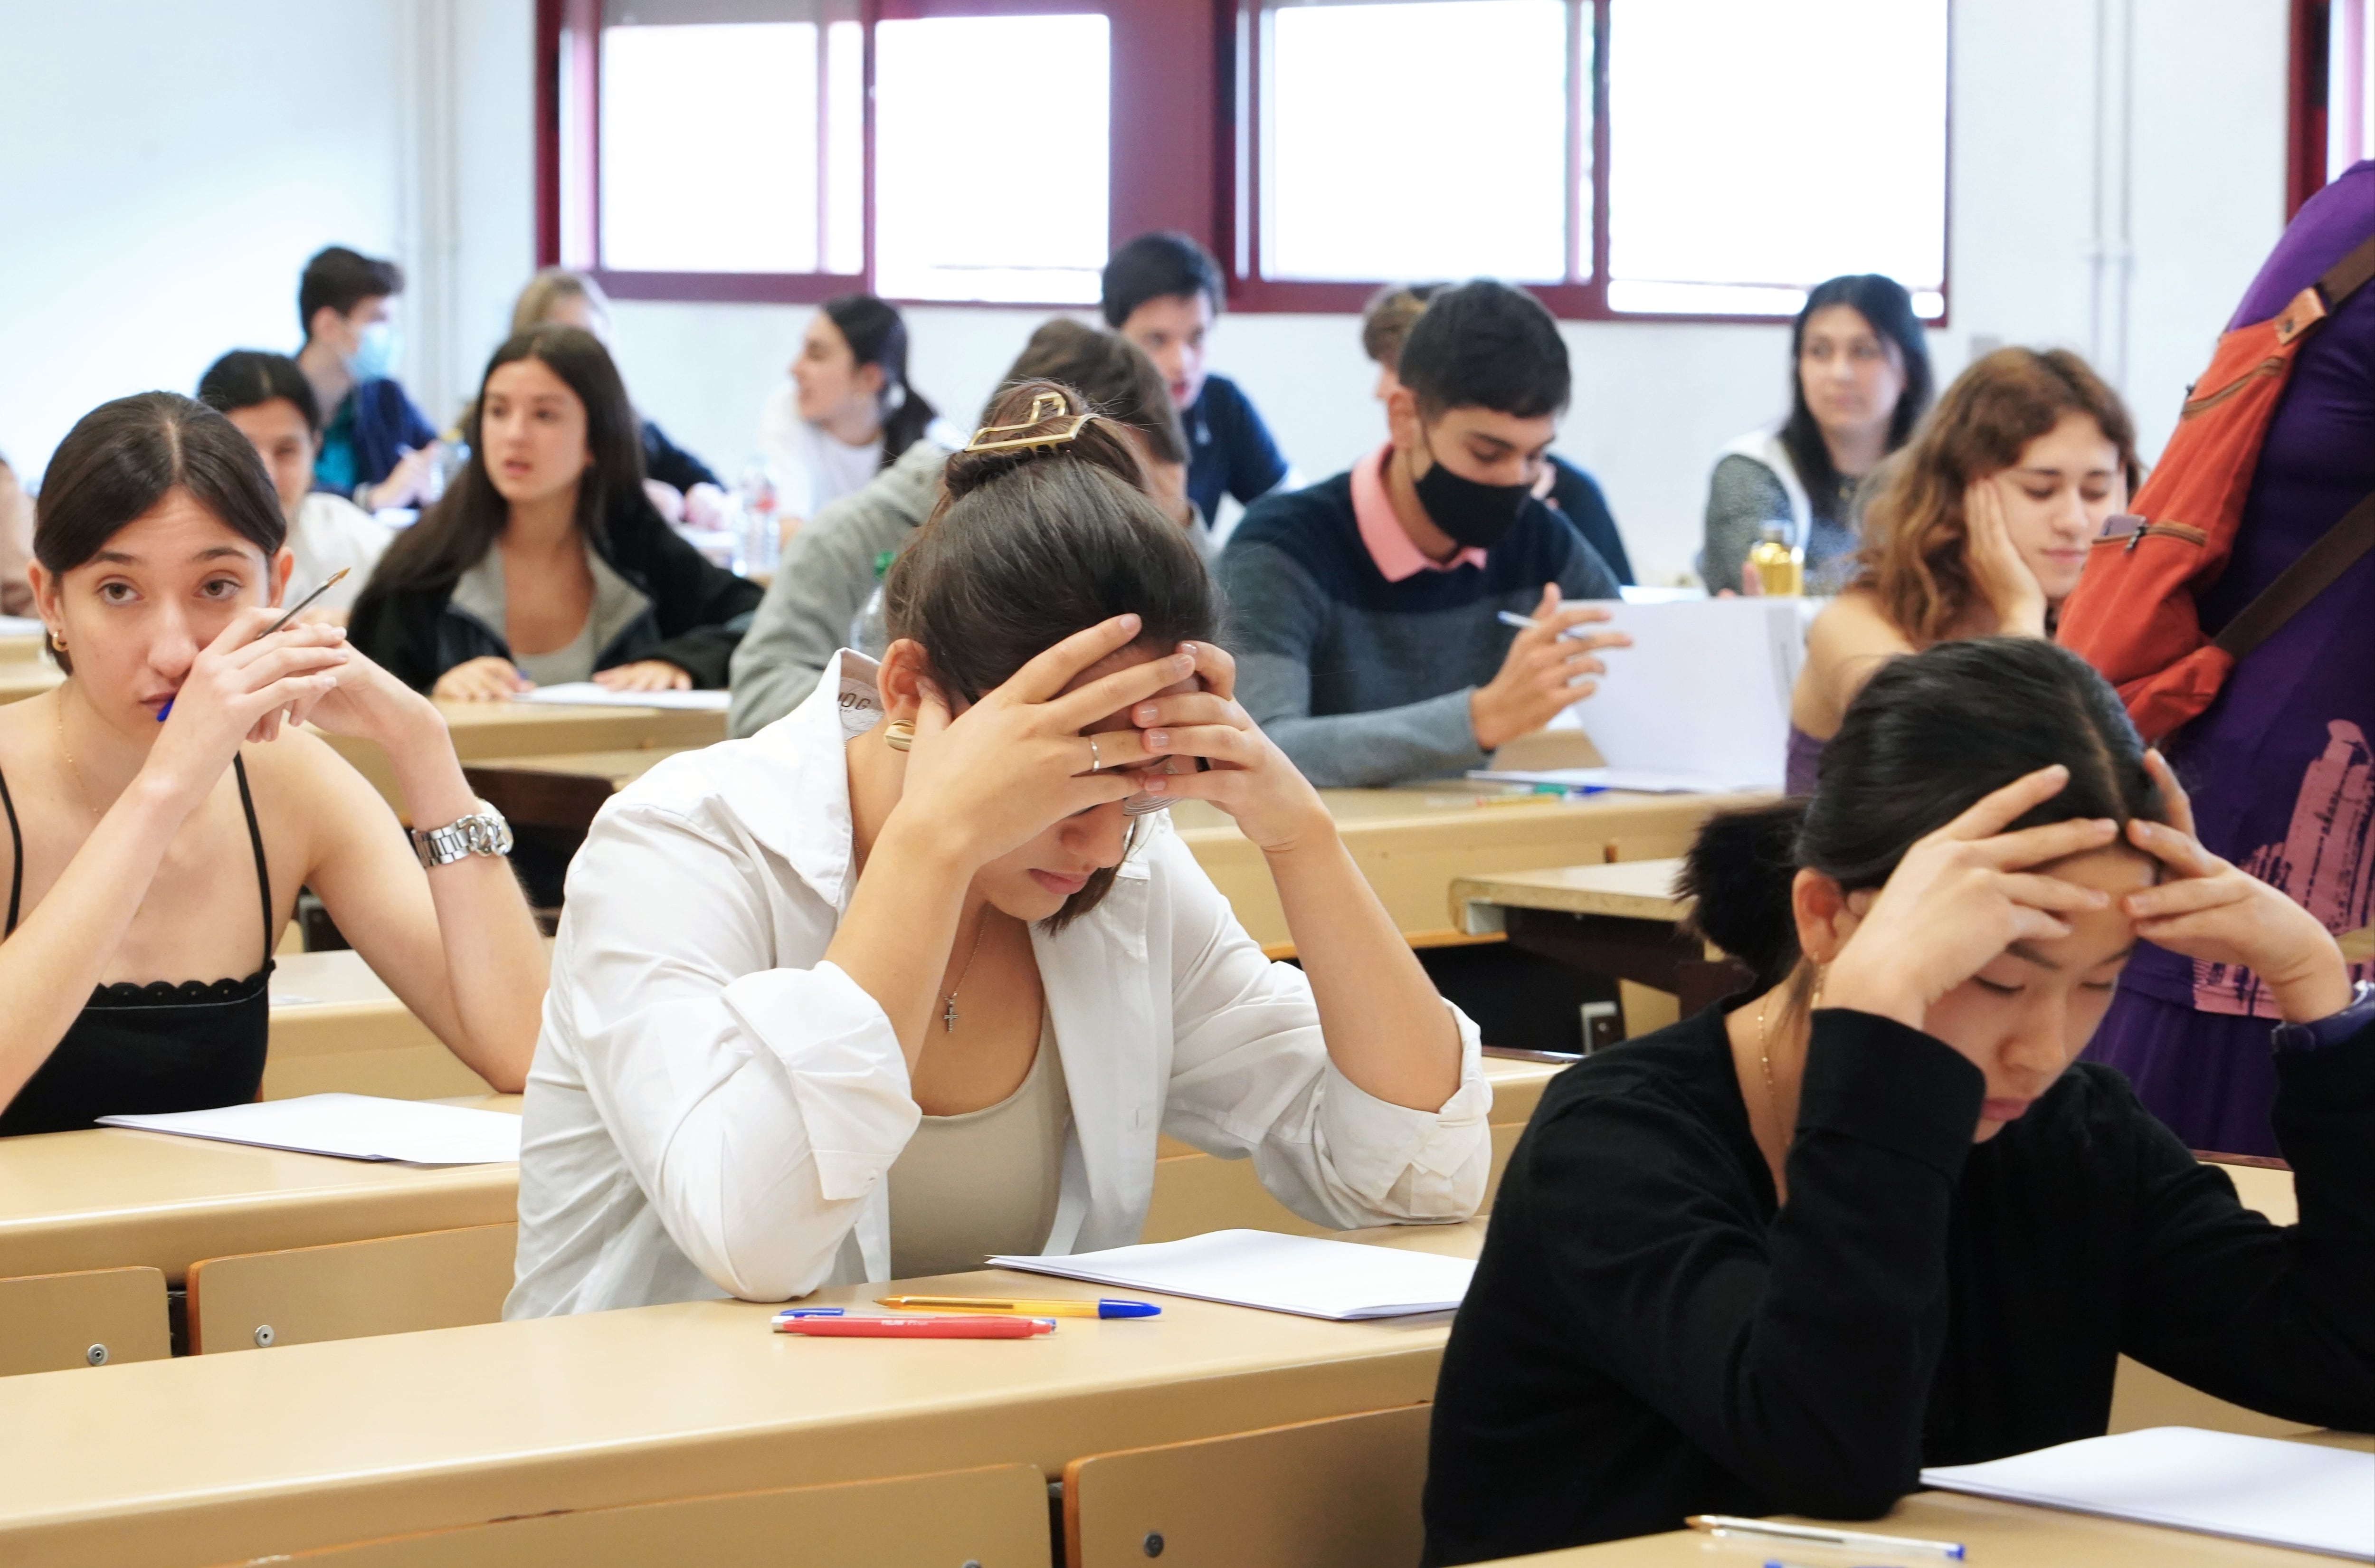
1114	663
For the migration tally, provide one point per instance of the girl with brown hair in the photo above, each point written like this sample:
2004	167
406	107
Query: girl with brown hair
919	973
1980	527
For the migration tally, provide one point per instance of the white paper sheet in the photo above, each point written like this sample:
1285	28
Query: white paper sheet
1303	1274
585	694
351	1126
21	626
1641	781
2218	1484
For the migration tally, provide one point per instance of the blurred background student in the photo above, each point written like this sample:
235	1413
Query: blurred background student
377	448
16	544
1163	291
683	488
850	412
272	403
1563	488
1858	382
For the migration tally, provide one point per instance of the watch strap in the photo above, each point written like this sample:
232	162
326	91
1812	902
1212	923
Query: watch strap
483	831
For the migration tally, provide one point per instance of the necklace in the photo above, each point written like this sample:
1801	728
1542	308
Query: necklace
948	1012
1764	1054
81	784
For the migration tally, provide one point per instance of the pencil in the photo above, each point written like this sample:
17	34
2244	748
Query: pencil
329	583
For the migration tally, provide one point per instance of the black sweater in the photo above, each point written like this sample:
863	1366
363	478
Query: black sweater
1645	1339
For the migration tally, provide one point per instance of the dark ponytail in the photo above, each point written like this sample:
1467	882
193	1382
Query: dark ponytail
1929	737
877	335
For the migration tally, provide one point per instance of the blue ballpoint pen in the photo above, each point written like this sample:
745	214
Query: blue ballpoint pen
329	584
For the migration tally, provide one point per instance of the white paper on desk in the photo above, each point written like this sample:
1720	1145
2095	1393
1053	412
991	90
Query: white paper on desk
585	694
1305	1275
2217	1483
1641	781
21	626
1702	694
351	1126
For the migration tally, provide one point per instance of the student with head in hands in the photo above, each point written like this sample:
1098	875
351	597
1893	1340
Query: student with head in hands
1163	291
1366	610
377	449
848	414
545	563
1870	1216
1565	488
830	569
268	398
937	965
1858	382
164	805
1980	527
682	485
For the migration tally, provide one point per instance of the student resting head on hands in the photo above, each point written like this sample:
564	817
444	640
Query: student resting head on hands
848	413
139	862
1858	382
272	403
545	562
920	974
1869	1217
1368	606
1981	527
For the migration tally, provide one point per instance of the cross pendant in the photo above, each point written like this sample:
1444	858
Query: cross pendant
949	1016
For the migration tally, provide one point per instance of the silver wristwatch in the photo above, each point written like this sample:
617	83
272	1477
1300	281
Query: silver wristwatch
482	832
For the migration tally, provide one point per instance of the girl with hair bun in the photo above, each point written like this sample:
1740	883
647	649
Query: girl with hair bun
1868	1216
919	973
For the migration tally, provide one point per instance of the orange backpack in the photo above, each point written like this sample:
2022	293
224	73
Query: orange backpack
2136	613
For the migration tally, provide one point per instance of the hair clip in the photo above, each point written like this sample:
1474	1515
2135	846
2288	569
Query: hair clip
1046	407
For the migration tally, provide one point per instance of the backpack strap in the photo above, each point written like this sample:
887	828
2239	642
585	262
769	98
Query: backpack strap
2320	300
2312	572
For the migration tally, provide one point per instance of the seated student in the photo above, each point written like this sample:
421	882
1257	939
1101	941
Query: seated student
1161	292
272	403
680	485
937	965
1981	527
377	449
830	569
1563	488
144	857
16	544
545	563
1365	609
1859	381
1779	1256
849	413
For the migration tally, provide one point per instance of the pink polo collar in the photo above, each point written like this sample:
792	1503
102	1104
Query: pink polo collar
1390	545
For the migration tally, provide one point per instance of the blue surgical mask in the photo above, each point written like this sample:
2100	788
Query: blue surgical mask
375	355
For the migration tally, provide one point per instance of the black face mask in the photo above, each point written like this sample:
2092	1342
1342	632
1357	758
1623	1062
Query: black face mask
1476	515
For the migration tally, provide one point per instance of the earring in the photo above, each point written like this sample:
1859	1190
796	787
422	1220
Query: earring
899	734
57	641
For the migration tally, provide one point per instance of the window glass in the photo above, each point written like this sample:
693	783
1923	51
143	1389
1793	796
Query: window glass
1422	140
1759	146
990	158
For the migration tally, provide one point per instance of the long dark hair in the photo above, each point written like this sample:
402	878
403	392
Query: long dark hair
1027	548
1888	309
455	534
123	457
1928	735
877	335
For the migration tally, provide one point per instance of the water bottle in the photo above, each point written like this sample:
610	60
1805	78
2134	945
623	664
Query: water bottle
869	630
758	544
1780	565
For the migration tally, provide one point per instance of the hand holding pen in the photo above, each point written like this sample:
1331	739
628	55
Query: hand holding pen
1549	665
240	686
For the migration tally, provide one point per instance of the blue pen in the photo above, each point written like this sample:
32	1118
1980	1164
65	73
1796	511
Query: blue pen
328	585
810	1311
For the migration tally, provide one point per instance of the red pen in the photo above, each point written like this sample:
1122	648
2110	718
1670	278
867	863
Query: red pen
915	1327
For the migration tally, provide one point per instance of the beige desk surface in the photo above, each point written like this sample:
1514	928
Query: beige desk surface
112	1197
20	678
484	730
337	1029
19	648
211	1458
1632	889
618	769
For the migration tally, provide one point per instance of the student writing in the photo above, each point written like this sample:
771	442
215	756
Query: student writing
545	563
1777	1257
145	859
902	981
1365	609
1982	525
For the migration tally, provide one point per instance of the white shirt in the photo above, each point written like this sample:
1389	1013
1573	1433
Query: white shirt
331	531
713	1108
807	464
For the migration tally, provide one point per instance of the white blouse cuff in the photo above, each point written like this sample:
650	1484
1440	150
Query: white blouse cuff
1375	1145
841	1059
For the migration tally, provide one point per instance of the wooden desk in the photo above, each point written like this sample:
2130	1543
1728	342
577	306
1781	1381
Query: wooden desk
337	1029
112	1197
26	677
19	648
216	1458
1612	919
560	792
483	730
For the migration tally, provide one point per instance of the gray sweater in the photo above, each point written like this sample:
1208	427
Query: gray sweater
824	583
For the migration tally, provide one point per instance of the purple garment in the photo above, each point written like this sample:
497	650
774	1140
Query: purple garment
2279	766
1804	762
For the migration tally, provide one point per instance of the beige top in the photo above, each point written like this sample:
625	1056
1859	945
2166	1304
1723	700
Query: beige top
985	1181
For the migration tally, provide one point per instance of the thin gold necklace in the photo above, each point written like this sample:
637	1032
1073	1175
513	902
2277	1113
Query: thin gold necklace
81	784
949	1013
1764	1056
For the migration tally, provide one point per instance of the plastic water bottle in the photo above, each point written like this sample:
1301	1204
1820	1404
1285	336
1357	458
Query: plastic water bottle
1780	565
869	629
758	545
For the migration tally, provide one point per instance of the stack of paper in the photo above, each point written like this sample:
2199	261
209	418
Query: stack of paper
352	1127
2259	1489
585	694
1305	1275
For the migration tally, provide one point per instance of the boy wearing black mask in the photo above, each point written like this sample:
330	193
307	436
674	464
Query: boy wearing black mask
1365	610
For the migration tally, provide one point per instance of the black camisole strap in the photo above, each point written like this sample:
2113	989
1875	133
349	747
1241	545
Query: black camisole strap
17	858
255	841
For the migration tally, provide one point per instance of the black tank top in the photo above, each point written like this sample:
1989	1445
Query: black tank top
141	1050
